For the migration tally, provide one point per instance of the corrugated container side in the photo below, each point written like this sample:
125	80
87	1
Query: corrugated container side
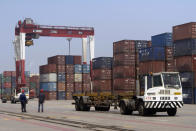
102	85
123	46
69	78
69	60
7	73
48	86
69	87
86	87
184	31
61	77
86	78
124	71
77	77
185	47
61	95
187	95
85	68
102	63
51	77
60	68
69	69
195	95
102	74
77	69
58	60
162	40
187	79
51	95
152	54
77	87
124	59
60	86
124	85
69	96
44	69
77	60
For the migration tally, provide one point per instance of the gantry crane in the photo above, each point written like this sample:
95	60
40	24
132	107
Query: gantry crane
27	30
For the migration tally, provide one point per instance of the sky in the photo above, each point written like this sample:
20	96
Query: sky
113	20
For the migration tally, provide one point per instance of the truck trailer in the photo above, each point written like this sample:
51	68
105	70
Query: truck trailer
155	92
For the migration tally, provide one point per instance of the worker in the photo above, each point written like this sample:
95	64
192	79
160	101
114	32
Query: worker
41	100
23	101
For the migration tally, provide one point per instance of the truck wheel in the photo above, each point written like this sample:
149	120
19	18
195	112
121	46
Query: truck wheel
142	110
172	112
97	108
124	110
83	107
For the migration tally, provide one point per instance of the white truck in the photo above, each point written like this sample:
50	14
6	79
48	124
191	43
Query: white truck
162	92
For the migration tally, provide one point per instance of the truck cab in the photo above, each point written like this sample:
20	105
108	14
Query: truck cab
15	97
162	92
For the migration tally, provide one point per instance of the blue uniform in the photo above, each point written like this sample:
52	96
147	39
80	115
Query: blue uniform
23	101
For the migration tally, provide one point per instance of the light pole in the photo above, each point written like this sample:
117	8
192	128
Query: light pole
69	40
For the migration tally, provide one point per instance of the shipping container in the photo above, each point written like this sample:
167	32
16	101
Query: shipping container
69	69
187	79
48	86
7	73
50	95
124	59
184	31
102	74
85	68
152	54
61	95
86	78
151	67
187	95
60	86
51	77
102	85
185	47
69	60
78	69
124	71
61	77
86	87
69	95
77	77
44	69
69	78
60	68
77	87
77	60
124	85
102	63
69	87
162	40
194	95
58	60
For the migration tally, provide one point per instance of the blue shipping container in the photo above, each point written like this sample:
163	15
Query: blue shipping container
162	40
187	79
195	95
61	95
185	47
102	63
141	44
187	95
85	68
69	59
152	54
48	86
78	69
61	77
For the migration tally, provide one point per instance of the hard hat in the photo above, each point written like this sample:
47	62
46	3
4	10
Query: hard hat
41	90
22	91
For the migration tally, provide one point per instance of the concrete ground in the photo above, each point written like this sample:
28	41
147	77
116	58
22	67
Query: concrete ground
64	110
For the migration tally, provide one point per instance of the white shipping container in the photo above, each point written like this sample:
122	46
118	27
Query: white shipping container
77	77
51	77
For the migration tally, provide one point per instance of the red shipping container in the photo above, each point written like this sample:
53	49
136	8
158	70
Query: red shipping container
69	78
124	71
124	46
44	69
77	87
34	79
184	31
7	73
185	63
69	69
86	78
60	68
169	53
151	66
60	86
124	85
102	74
124	59
69	87
77	60
86	88
69	95
102	85
58	60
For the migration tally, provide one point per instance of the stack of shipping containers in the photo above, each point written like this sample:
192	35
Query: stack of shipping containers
184	39
33	86
125	64
64	75
102	74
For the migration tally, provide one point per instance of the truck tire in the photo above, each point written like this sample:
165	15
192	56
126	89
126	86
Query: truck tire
97	108
172	111
77	105
142	111
124	110
82	106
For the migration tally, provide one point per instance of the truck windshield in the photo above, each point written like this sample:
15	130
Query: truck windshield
171	80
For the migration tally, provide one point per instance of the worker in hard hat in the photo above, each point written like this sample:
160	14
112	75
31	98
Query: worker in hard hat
41	100
23	101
